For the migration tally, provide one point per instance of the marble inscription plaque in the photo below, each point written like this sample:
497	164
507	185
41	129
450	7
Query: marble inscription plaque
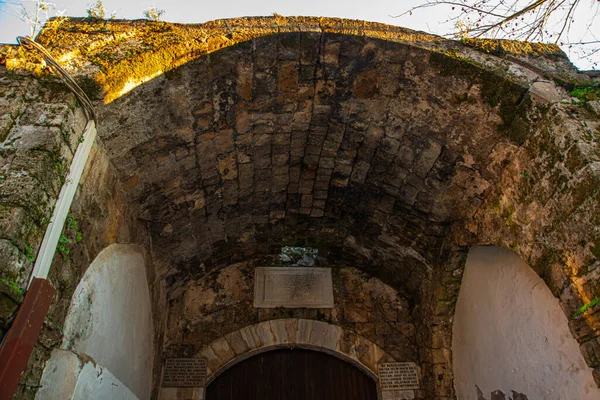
293	287
398	376
184	372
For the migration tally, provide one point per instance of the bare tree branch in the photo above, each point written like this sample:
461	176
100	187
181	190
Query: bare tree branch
530	20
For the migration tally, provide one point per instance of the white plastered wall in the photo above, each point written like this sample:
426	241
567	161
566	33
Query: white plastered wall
510	334
110	317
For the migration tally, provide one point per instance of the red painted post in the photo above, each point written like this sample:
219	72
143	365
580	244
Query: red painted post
23	334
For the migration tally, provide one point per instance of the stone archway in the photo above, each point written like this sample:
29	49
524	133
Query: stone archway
293	332
386	149
265	336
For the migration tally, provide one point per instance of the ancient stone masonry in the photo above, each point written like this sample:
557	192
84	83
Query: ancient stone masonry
364	305
390	151
40	130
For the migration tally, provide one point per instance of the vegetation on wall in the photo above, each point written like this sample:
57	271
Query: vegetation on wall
13	285
585	93
68	238
586	307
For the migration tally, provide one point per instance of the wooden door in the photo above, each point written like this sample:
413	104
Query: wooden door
292	374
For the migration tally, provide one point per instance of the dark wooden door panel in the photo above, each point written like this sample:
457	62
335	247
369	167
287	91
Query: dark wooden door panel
292	374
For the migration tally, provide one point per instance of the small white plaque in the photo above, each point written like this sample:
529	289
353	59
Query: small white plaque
398	376
398	395
293	287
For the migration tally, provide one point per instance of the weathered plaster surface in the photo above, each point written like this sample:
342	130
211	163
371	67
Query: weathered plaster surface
110	318
69	376
510	334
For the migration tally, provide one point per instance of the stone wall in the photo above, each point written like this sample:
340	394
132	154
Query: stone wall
222	302
389	150
41	125
546	210
39	130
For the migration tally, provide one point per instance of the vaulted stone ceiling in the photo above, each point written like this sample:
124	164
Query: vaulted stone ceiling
363	148
385	148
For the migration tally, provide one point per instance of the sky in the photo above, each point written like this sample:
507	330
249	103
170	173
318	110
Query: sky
431	20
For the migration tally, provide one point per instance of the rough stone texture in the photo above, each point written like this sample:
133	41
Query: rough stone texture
318	335
35	152
37	140
389	150
102	219
222	302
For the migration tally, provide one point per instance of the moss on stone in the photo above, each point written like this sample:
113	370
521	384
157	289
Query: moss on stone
128	53
497	90
501	47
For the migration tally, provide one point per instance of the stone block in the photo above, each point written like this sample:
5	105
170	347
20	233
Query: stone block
8	306
214	362
408	194
237	343
591	352
584	328
443	375
304	331
6	124
353	314
27	137
570	300
440	356
319	331
371	356
332	337
278	327
291	327
359	172
263	330
250	336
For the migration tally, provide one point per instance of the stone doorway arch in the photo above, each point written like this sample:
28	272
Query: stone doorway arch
293	332
265	336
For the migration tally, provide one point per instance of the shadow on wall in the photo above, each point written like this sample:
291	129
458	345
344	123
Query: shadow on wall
499	395
511	336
